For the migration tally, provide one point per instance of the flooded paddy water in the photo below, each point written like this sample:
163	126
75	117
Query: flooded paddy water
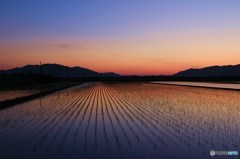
233	86
12	94
131	120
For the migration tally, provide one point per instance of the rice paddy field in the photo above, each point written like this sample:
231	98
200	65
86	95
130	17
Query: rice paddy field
123	120
233	86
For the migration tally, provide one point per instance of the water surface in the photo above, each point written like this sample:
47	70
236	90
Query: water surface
12	94
203	84
132	121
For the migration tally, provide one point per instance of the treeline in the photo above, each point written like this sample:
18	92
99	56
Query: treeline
158	78
22	80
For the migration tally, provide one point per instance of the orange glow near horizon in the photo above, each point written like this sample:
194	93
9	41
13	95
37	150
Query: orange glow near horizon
152	54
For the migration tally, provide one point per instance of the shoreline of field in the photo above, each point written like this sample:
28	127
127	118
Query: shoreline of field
201	85
11	102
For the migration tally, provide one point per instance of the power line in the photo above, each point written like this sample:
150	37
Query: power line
14	58
4	66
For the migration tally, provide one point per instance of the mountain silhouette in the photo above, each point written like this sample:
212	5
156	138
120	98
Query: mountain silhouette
57	70
212	71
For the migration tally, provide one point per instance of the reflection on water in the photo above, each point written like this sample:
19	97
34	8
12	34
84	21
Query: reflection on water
12	94
99	120
204	84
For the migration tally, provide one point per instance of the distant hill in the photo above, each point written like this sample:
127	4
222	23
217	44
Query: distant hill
109	74
212	71
57	70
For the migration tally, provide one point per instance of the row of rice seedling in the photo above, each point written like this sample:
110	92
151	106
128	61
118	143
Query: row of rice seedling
193	116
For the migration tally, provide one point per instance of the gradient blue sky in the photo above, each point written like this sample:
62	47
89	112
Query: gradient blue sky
98	24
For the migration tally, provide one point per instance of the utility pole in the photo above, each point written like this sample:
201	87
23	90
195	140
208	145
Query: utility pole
41	79
40	69
68	73
58	69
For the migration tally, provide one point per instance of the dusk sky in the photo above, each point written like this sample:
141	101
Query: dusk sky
141	37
